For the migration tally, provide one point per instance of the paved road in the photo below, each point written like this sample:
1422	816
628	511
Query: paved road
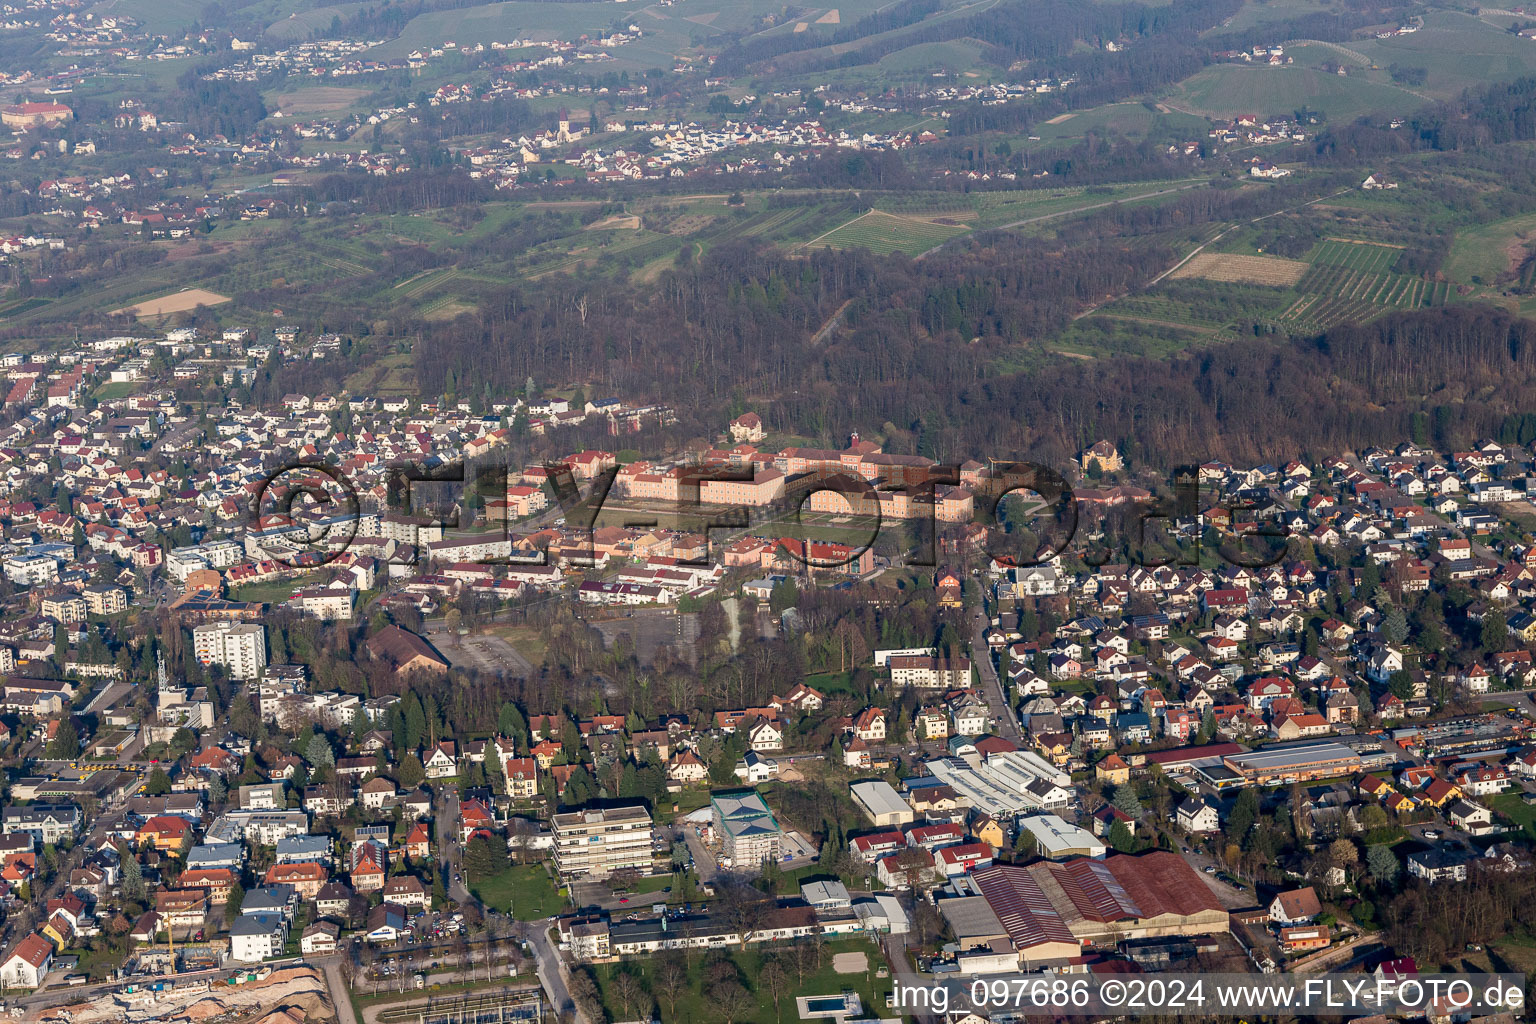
991	686
448	847
896	955
340	997
535	933
551	975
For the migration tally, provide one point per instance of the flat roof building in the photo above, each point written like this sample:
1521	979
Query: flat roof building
880	801
599	842
749	833
1294	762
972	921
1058	839
1006	783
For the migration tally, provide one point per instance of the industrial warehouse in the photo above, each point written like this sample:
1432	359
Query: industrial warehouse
1050	911
1294	762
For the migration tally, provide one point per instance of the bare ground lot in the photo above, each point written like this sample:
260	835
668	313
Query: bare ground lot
649	630
618	220
485	652
317	99
180	302
1236	268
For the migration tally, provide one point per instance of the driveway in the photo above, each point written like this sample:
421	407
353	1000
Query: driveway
704	863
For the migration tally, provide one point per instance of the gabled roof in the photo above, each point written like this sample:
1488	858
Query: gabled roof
34	949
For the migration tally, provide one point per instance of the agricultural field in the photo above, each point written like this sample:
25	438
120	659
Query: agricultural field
1341	279
1233	267
1484	254
1134	120
952	56
1255	14
1226	90
1335	294
1356	254
885	233
1457	50
669	32
179	302
315	99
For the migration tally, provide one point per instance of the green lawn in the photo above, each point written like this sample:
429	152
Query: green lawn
1227	90
1522	814
695	1004
1481	254
644	886
829	683
271	591
884	233
113	390
526	890
687	801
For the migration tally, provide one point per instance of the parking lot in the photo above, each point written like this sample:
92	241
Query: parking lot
487	653
649	630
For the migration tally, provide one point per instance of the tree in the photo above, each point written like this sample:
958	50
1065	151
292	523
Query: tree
1382	865
570	742
235	901
1495	632
1400	684
65	745
411	772
1025	844
783	596
318	752
671	983
730	1000
183	741
583	991
1395	628
579	788
629	991
158	783
133	876
1431	638
1343	855
480	859
773	977
1120	838
1127	802
1245	811
510	722
415	722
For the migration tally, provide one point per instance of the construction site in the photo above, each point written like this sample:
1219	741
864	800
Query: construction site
294	995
